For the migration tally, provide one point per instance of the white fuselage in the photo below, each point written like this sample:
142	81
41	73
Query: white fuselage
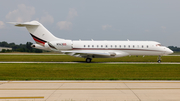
118	48
130	47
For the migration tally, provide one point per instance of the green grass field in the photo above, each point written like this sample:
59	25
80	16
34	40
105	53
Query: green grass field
84	71
66	58
88	71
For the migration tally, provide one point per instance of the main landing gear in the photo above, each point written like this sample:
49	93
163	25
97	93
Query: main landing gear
159	59
88	60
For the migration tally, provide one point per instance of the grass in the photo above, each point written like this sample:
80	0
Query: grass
92	71
83	71
66	58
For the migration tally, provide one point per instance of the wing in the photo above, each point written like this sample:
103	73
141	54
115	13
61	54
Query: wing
95	53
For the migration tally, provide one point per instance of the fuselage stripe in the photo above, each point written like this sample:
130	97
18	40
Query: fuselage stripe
38	39
113	49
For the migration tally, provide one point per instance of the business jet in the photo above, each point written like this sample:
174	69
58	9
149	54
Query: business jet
91	49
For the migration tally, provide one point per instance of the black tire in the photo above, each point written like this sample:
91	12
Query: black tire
88	60
159	61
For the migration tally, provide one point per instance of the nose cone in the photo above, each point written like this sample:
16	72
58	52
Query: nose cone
168	51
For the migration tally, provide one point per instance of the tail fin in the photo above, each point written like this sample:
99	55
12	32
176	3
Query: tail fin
39	33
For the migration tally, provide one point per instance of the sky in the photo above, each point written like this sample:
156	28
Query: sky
136	20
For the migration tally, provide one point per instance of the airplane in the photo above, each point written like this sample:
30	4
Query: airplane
91	49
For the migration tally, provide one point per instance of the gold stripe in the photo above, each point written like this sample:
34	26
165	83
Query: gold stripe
30	97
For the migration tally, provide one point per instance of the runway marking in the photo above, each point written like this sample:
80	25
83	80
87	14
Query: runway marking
29	97
96	89
89	89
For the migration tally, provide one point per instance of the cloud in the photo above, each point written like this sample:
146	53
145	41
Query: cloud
67	25
72	13
21	14
47	19
104	27
1	24
64	25
147	30
163	27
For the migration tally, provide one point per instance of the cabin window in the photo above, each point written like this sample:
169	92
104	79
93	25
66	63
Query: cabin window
124	46
129	46
88	45
133	46
101	45
115	45
111	46
106	46
92	45
84	45
120	46
147	46
142	46
97	45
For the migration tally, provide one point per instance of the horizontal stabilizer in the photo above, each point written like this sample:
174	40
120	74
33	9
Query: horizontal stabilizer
32	23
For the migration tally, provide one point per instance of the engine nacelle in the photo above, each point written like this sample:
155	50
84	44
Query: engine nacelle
55	45
45	47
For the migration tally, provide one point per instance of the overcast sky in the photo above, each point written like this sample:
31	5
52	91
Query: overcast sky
146	20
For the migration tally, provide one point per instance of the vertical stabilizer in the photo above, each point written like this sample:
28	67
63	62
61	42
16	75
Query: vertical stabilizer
39	33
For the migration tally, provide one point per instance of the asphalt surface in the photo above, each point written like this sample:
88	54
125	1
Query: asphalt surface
90	90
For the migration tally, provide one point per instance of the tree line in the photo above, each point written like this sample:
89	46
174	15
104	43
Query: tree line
19	48
174	48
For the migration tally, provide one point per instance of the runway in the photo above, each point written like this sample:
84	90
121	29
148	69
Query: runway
90	90
102	62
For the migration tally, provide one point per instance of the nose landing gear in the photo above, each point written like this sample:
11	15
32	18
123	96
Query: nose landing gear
159	59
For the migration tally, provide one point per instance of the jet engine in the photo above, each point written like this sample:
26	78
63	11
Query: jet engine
45	47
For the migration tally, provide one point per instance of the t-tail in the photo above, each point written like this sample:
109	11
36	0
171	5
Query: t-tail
39	33
43	38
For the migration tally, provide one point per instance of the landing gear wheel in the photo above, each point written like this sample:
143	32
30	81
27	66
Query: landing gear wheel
88	60
159	61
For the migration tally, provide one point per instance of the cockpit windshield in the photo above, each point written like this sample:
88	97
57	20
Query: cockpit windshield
158	44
